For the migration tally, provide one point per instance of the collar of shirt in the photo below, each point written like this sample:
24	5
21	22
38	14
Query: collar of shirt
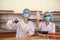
47	25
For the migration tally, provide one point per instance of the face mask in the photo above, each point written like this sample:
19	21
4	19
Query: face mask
47	18
26	15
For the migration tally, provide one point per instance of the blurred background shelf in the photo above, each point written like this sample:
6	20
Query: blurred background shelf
3	20
57	19
6	15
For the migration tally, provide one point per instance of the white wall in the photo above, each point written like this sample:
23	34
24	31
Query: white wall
19	5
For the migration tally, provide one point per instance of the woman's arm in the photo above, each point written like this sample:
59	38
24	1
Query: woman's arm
53	28
38	14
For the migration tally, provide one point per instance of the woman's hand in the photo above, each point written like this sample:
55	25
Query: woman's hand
38	15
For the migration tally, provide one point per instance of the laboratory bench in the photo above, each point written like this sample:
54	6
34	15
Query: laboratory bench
34	37
26	38
11	34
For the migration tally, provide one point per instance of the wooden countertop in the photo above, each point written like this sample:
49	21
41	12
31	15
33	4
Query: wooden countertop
35	37
26	38
12	34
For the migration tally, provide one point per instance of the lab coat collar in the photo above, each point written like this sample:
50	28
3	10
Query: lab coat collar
24	22
48	24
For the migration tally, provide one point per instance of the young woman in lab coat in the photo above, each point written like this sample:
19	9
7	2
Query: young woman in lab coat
47	25
25	27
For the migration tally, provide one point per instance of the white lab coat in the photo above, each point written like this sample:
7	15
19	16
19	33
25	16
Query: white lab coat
50	28
11	25
21	25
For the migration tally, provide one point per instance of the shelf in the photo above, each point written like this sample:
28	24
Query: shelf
56	12
56	19
32	12
6	13
34	20
3	20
